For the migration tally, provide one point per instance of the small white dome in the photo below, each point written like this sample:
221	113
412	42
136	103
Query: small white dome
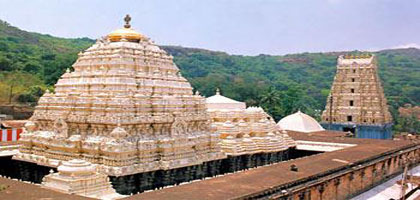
76	167
219	102
300	122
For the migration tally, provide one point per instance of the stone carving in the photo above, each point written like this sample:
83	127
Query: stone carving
245	130
129	112
61	127
357	92
178	127
80	177
357	99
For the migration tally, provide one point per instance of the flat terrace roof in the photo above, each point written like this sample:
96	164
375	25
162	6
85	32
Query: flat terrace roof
22	190
256	180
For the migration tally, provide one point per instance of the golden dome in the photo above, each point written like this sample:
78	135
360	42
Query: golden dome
125	33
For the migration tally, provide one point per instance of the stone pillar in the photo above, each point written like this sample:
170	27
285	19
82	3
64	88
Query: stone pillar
337	182
167	178
321	189
352	187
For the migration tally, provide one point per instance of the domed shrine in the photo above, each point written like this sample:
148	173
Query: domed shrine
299	122
245	130
80	177
126	108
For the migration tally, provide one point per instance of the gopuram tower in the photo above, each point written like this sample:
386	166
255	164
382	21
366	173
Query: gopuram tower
125	108
356	102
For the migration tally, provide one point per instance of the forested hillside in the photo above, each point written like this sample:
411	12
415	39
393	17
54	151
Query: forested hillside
303	79
30	62
38	59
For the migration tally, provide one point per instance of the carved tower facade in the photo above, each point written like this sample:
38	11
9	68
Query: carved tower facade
125	107
357	102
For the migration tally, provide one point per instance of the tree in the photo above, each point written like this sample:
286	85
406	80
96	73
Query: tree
32	94
18	82
32	67
5	64
270	101
292	100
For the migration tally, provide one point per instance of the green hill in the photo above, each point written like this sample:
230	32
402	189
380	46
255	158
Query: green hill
42	55
281	84
247	78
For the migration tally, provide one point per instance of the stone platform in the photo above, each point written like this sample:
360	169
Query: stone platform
161	178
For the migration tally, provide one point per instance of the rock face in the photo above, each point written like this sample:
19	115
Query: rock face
80	177
357	102
125	107
245	130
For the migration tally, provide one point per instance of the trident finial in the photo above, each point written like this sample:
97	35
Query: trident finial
127	20
217	91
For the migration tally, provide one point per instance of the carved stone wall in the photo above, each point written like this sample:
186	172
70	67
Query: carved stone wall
125	107
357	95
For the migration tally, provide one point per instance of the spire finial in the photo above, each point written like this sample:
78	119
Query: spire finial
127	20
217	91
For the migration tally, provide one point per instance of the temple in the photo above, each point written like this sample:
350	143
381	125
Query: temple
124	121
356	102
126	108
80	177
245	130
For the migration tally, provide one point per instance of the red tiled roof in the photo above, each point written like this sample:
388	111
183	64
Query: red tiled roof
20	190
259	179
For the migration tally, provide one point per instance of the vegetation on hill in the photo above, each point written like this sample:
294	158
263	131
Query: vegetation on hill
43	58
284	84
280	84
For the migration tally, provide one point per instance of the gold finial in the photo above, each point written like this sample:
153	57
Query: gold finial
217	91
127	20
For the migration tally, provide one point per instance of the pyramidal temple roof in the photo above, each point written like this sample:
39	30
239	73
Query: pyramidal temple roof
301	122
125	95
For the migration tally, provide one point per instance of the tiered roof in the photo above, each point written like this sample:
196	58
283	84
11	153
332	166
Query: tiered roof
125	106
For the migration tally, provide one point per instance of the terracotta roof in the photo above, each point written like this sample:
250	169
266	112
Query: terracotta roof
259	179
21	190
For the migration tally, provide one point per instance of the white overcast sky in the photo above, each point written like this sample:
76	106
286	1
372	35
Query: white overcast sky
247	27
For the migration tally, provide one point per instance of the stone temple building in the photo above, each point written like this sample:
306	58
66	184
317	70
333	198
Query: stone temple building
126	108
246	131
80	177
357	103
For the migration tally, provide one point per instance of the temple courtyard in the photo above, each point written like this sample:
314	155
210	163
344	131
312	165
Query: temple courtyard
348	167
123	123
